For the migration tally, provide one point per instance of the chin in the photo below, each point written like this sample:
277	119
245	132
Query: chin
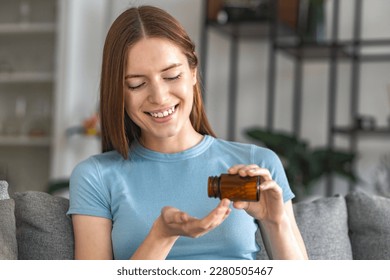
161	135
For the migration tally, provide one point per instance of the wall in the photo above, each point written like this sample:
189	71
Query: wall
82	31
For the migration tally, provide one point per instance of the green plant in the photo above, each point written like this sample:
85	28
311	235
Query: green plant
57	185
304	165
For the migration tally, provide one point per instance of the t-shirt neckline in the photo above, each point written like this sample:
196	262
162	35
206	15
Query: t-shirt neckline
194	151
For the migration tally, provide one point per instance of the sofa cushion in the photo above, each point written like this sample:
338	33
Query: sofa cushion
369	224
324	227
43	230
323	224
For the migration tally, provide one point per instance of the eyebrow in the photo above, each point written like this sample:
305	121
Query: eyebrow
174	65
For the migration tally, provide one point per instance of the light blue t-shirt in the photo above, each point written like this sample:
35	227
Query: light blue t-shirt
132	193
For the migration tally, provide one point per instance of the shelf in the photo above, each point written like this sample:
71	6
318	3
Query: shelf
25	28
29	33
379	131
26	77
249	30
25	141
313	50
369	50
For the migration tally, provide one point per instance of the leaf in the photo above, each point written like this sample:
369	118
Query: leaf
281	143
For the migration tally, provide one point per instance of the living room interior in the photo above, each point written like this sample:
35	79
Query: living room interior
327	88
312	83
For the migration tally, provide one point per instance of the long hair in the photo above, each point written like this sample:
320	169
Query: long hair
118	131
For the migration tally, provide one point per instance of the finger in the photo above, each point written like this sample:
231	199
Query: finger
235	168
217	216
243	170
182	217
167	212
222	208
263	172
173	215
224	203
226	214
250	170
267	185
271	187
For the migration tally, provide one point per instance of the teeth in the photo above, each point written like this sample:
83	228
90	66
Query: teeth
164	113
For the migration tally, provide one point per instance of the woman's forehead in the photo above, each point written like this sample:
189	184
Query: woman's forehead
154	53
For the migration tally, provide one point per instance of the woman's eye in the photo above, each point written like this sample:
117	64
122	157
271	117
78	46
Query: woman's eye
174	77
134	87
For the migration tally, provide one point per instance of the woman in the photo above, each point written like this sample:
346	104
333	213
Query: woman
146	193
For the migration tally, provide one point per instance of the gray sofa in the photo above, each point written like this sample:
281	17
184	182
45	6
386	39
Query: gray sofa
33	225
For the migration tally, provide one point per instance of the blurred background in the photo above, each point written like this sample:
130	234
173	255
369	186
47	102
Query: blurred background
308	78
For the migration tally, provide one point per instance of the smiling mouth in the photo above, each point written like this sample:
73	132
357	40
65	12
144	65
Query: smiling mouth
163	114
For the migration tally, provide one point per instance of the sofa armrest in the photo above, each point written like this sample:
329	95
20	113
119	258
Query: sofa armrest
8	245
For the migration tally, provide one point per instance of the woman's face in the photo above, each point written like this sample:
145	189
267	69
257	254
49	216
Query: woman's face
159	90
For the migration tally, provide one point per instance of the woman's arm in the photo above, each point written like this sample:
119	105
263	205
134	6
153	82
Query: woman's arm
92	237
173	223
284	240
93	234
277	222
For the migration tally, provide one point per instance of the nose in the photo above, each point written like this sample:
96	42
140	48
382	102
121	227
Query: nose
159	93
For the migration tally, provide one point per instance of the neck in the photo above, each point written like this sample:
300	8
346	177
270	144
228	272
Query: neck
174	144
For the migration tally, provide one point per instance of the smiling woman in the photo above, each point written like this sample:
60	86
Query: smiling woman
159	96
130	28
137	198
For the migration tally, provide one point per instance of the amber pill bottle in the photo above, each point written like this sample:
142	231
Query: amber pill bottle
234	187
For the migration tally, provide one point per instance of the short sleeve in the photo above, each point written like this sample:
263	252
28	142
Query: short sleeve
87	193
267	158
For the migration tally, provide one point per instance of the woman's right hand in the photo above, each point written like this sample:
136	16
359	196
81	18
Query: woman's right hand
174	223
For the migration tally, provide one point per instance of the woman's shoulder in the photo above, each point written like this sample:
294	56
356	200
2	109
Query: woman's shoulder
242	147
254	153
93	162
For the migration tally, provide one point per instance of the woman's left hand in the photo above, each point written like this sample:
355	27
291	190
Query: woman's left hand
270	207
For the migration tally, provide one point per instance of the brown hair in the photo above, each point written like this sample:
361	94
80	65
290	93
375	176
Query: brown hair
118	131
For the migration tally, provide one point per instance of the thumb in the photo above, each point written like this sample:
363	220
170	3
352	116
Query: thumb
241	205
